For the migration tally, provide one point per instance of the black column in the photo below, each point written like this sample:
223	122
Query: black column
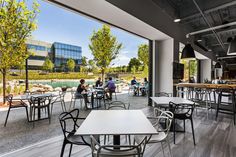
26	76
150	72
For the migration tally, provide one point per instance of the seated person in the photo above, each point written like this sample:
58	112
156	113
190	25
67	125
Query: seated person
110	88
82	89
98	82
133	84
144	89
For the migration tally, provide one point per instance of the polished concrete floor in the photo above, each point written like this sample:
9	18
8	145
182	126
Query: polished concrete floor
213	139
19	133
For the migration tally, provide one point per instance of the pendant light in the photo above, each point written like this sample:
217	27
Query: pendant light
232	47
217	65
188	52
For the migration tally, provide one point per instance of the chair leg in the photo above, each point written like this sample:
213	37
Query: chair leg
218	105
63	148
70	103
31	113
184	125
174	130
26	109
70	149
105	139
33	116
7	116
74	103
49	116
51	108
168	143
162	147
193	131
64	105
233	104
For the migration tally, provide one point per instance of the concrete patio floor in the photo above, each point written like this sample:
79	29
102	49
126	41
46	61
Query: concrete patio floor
19	133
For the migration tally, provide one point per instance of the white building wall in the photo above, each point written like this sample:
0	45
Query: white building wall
163	66
205	70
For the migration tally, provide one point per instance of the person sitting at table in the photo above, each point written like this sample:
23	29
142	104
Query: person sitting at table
144	89
82	89
98	82
110	88
134	85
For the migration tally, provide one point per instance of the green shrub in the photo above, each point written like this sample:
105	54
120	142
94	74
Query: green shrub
1	90
8	89
15	90
21	89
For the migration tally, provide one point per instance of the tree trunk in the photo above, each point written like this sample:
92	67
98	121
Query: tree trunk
4	84
103	75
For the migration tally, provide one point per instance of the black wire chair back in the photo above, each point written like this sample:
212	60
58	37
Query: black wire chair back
115	105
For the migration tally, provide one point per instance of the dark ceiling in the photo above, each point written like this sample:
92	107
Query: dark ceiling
217	12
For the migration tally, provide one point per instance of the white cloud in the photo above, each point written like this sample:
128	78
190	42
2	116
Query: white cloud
122	59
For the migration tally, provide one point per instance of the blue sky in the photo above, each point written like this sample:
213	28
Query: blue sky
57	24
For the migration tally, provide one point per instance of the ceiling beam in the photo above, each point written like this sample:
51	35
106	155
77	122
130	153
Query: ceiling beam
209	10
220	32
210	26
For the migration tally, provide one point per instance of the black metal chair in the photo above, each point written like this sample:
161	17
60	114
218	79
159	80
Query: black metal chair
114	105
182	112
39	103
69	125
162	94
15	104
135	150
226	107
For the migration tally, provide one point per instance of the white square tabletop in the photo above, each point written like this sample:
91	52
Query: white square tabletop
116	122
167	100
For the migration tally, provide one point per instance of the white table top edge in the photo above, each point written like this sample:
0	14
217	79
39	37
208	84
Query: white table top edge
172	99
126	130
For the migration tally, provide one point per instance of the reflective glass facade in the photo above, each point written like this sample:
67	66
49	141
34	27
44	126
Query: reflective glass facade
63	52
59	53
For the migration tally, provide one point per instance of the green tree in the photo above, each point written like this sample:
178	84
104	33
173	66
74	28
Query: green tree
92	66
192	68
17	22
21	66
124	68
134	62
143	53
70	64
104	47
133	69
84	61
48	65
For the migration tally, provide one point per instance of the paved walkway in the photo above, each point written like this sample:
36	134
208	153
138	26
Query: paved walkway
19	133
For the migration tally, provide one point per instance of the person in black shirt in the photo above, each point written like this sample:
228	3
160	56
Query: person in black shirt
133	82
98	82
82	89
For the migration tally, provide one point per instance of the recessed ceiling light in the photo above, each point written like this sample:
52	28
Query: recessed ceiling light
210	50
177	20
199	40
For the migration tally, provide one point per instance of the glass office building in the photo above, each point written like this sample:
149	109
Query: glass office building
62	52
59	53
40	50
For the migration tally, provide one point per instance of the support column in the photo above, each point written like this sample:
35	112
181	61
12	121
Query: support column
165	52
205	70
